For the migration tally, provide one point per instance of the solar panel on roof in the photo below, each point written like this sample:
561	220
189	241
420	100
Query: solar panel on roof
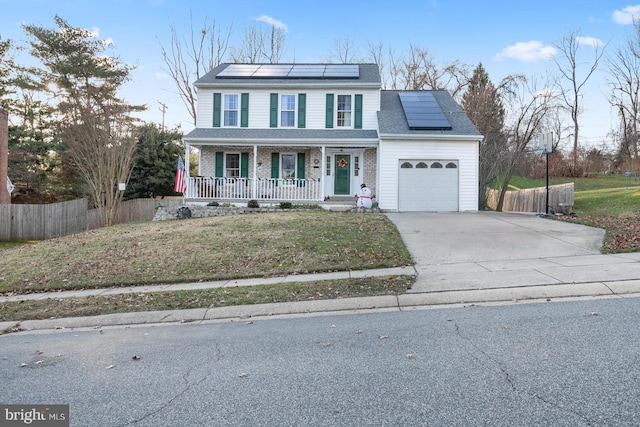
238	70
423	111
331	71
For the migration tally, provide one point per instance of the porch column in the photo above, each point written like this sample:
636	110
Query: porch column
187	148
323	171
254	181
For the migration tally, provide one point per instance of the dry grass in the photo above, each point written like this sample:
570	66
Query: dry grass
209	298
259	245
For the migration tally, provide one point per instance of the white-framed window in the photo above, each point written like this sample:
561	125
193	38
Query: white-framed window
232	165
287	110
344	111
288	165
230	110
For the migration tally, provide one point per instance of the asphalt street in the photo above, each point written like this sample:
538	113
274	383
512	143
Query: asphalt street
549	363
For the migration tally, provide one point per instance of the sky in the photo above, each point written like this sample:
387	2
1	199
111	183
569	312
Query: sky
506	36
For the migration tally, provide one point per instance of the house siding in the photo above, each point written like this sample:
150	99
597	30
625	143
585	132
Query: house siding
466	153
259	106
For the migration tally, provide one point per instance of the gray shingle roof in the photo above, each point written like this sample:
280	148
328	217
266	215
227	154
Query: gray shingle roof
392	121
248	134
369	76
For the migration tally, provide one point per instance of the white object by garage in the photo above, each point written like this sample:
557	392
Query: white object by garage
428	185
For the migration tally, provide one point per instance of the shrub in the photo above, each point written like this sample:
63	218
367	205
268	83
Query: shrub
253	204
213	204
285	205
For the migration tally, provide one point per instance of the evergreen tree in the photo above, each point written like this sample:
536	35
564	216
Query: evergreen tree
485	109
95	125
154	169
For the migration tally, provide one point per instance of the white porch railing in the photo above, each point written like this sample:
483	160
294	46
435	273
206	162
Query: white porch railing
261	188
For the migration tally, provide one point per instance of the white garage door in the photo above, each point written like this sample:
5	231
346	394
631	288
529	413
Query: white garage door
428	185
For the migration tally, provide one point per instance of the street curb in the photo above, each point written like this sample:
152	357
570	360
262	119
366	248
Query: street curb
629	288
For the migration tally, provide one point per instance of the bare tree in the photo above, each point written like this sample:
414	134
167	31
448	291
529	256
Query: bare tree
420	71
375	54
276	45
571	70
624	79
530	105
250	49
260	45
344	51
189	58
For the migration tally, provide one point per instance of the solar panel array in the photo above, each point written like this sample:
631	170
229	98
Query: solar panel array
282	71
423	111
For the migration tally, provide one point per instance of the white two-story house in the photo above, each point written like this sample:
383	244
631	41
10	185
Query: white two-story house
316	132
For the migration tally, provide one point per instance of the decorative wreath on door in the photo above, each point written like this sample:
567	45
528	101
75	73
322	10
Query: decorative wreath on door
342	163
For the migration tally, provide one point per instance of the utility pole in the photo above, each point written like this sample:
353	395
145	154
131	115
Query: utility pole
5	197
163	109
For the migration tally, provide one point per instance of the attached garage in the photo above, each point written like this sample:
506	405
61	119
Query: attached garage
428	185
428	154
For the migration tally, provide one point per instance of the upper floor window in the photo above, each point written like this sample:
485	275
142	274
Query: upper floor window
344	111
287	110
231	110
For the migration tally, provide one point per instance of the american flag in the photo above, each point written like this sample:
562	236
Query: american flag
180	186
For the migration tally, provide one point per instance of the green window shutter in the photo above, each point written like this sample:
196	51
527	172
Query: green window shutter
329	124
244	110
300	171
275	166
273	115
302	110
357	121
217	109
244	165
219	164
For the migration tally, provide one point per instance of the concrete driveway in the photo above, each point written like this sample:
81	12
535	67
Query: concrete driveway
484	250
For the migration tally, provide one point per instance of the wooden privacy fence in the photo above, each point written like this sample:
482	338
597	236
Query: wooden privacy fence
534	199
41	222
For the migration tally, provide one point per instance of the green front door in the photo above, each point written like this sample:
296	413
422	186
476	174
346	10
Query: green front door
342	183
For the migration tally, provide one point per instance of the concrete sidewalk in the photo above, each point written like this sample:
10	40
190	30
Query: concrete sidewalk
461	258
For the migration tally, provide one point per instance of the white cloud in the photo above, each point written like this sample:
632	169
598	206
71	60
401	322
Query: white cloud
626	15
272	21
589	41
531	51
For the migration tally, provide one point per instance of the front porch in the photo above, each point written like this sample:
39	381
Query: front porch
240	189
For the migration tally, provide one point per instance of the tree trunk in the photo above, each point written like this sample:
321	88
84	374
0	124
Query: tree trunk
503	190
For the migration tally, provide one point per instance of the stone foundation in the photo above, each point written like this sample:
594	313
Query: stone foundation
167	213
